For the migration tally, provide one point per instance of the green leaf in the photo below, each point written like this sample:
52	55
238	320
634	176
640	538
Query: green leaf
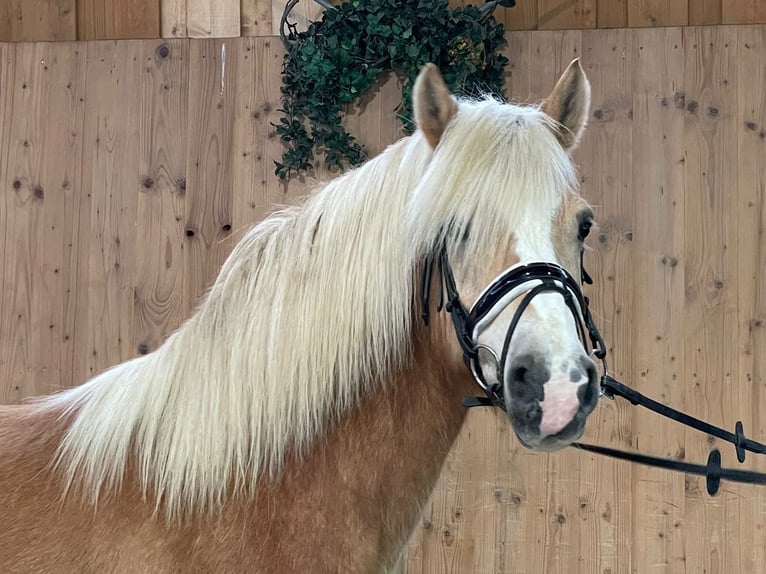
337	59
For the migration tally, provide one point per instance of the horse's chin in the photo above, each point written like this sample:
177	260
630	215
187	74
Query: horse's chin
548	444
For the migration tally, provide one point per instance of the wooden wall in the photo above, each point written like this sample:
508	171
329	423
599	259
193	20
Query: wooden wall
55	20
127	169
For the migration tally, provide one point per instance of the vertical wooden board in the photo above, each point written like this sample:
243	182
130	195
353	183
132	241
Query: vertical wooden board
390	125
8	239
173	18
743	12
606	173
57	309
161	184
99	20
213	18
25	221
213	76
38	20
658	328
523	16
711	380
254	151
21	218
44	131
110	175
256	18
566	14
519	63
705	12
651	13
750	510
612	13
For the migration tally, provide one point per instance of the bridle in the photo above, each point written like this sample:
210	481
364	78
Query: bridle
522	281
528	281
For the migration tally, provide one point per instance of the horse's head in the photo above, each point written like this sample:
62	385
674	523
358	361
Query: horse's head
502	188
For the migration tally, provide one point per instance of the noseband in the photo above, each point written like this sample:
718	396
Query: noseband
529	281
525	281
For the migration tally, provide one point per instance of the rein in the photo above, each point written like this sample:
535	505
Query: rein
549	277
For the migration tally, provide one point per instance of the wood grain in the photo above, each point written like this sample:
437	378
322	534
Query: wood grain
650	13
705	12
111	177
173	19
658	266
743	12
566	14
213	74
161	185
213	18
257	18
711	367
38	20
99	20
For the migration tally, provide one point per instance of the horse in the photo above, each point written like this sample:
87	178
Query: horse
298	420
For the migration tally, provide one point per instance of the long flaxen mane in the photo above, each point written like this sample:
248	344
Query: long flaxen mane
311	310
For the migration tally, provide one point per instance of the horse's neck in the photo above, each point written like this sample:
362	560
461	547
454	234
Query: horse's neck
377	467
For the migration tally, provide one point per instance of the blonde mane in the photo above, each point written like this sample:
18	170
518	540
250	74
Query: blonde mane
310	310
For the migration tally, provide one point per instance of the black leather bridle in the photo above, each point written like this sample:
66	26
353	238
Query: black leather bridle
533	279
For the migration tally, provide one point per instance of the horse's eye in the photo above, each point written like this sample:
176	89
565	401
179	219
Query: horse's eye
584	230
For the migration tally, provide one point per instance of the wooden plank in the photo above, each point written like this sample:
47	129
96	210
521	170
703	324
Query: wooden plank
173	18
517	87
213	18
98	20
213	76
111	175
612	14
743	12
523	16
651	13
38	20
9	323
255	144
566	14
158	279
749	526
256	18
657	320
17	225
711	381
705	12
57	308
42	175
605	160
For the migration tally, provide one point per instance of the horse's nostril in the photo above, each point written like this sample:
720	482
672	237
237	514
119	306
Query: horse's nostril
587	393
519	374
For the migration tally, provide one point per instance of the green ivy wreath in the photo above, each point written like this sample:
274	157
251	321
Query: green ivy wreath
337	59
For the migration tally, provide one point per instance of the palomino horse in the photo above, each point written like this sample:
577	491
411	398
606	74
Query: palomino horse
298	421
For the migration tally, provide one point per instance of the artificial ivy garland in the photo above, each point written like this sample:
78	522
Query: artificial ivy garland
337	59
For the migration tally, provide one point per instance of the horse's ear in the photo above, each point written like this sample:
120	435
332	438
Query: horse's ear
432	103
569	104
